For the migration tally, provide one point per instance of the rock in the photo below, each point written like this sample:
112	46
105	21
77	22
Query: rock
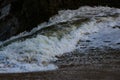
17	16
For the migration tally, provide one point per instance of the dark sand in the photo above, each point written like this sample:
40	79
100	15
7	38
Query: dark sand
97	65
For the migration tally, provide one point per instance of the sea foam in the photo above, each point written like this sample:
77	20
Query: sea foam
37	52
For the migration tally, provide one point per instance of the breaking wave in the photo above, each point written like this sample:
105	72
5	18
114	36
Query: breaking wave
65	32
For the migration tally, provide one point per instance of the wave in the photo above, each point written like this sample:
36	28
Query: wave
65	32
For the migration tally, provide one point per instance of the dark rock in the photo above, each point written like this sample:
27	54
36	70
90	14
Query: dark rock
19	15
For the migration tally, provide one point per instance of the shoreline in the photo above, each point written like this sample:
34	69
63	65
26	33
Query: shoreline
103	66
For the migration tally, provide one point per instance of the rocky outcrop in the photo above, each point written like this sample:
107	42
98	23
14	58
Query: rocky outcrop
19	15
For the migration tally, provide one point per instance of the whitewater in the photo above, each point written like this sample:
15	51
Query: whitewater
69	30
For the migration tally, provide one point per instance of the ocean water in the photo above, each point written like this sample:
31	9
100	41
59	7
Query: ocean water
65	32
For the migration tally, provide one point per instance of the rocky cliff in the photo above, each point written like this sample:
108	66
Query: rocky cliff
19	15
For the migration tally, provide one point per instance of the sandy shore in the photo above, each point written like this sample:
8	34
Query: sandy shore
94	66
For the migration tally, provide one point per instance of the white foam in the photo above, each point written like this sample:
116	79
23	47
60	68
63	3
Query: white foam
35	54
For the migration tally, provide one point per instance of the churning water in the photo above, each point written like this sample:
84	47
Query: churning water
65	32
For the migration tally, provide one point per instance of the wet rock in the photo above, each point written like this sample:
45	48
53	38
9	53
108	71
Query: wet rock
88	40
118	43
107	41
116	27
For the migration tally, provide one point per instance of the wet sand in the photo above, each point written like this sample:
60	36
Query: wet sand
68	73
94	66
